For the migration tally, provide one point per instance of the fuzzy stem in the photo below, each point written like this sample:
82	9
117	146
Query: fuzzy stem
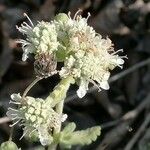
11	133
58	96
60	91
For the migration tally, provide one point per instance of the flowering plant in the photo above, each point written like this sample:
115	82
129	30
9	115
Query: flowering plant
87	58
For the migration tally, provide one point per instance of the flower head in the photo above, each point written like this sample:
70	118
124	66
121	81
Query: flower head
36	115
40	38
87	56
91	56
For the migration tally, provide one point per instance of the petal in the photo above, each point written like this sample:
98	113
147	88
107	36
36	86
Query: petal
120	61
83	87
104	85
24	56
64	117
16	97
81	92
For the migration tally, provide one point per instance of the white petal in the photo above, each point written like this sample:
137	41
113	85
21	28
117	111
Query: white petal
24	56
64	117
83	87
81	92
120	61
104	85
16	97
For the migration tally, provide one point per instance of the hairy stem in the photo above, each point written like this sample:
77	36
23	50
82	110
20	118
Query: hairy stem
58	96
60	91
11	133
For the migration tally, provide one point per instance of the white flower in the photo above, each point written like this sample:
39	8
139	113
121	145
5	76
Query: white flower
36	115
91	56
83	87
39	39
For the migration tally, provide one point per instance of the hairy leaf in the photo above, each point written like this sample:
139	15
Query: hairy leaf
68	138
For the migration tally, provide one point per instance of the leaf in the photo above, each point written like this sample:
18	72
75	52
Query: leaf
68	138
69	128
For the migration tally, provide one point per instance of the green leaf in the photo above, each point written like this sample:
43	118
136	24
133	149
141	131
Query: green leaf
68	138
9	145
69	128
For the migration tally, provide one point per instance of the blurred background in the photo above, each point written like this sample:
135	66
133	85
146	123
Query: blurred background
124	111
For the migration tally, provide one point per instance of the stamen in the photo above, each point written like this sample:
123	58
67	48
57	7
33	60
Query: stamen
69	15
17	27
28	19
12	109
20	125
13	114
14	123
76	14
120	50
23	134
26	25
88	16
22	41
15	118
124	57
12	102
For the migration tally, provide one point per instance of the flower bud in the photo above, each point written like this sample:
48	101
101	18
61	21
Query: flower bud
9	145
62	17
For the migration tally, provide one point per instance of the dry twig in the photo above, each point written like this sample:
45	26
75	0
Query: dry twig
114	136
131	143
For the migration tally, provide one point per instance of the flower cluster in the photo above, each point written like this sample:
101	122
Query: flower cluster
36	115
87	58
86	55
40	38
90	58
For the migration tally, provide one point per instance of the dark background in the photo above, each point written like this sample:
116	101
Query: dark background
124	111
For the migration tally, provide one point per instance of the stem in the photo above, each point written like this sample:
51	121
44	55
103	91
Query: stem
60	91
11	133
58	96
30	86
59	109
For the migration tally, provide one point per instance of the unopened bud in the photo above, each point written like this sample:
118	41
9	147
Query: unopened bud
9	145
61	17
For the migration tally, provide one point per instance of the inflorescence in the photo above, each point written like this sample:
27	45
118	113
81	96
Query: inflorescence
86	56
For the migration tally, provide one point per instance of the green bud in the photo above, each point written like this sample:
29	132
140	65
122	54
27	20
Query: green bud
9	145
61	17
